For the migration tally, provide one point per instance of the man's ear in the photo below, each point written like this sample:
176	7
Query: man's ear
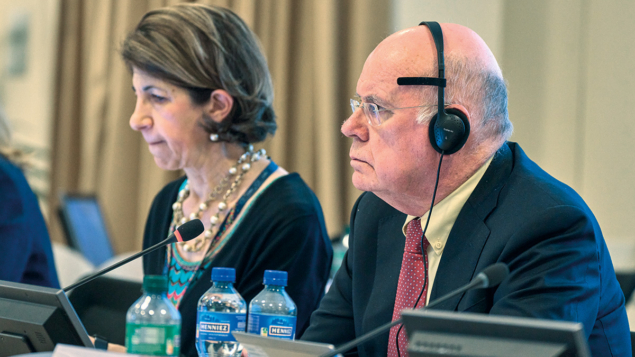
219	105
462	109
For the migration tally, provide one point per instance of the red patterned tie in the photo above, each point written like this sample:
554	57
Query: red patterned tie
412	279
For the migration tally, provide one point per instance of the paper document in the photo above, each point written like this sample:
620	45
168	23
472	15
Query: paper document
62	350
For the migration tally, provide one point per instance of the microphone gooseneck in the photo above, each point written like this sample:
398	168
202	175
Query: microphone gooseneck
184	233
489	277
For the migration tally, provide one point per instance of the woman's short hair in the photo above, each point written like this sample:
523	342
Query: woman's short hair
203	48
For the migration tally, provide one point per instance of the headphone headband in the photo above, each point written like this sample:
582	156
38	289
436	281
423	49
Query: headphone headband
437	36
421	81
448	129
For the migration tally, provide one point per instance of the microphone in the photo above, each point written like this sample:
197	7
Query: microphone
183	233
489	277
492	275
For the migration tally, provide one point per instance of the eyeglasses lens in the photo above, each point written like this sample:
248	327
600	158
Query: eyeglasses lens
372	112
354	105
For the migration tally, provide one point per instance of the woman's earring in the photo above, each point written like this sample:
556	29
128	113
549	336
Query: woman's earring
213	137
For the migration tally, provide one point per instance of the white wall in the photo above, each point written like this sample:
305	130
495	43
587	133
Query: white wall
27	78
485	17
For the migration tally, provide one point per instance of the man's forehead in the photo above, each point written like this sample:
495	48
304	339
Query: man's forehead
377	87
384	65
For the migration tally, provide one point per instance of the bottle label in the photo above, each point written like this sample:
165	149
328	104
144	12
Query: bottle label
153	340
217	326
272	325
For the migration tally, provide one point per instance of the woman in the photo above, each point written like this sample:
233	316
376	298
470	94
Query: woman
204	95
25	247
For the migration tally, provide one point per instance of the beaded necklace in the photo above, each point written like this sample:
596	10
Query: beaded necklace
244	163
182	273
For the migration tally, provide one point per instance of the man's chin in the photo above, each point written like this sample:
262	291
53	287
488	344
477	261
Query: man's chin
361	182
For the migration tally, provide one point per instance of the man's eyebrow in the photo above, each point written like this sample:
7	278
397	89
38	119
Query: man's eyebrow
373	99
368	98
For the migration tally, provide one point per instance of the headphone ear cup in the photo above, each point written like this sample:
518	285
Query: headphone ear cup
448	131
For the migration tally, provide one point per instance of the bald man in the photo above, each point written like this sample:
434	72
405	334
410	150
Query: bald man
493	204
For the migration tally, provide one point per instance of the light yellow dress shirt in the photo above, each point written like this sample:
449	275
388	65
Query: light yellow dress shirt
444	215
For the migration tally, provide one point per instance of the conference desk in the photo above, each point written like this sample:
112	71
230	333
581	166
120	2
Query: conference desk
63	350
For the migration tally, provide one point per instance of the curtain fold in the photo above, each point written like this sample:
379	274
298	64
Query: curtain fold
315	51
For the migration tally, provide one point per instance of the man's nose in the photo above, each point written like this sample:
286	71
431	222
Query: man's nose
356	126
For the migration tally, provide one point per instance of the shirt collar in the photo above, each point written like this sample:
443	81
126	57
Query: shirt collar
446	211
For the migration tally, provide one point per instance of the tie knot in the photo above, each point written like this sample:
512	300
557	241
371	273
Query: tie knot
414	235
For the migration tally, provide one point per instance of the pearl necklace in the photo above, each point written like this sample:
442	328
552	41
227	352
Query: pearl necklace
244	163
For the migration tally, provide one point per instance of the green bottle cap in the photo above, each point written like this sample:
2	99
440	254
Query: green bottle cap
155	284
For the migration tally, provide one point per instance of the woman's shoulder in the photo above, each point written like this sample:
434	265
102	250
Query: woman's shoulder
289	193
10	174
14	188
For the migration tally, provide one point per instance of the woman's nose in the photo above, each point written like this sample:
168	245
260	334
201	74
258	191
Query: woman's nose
141	117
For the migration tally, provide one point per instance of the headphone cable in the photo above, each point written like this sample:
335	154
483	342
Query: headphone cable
425	262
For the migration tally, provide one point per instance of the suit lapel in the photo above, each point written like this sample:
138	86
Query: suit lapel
469	233
381	303
390	246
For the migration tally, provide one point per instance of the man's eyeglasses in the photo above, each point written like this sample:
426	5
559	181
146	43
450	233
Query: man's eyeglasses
375	114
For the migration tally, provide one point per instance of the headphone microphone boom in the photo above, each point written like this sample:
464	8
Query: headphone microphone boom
449	129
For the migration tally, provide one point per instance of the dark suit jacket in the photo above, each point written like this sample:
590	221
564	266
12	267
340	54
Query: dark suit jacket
559	265
26	255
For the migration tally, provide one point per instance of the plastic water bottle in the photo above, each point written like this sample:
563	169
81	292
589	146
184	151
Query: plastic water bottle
272	312
153	324
221	310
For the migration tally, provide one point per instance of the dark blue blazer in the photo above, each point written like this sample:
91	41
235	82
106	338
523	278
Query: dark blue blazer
25	247
559	264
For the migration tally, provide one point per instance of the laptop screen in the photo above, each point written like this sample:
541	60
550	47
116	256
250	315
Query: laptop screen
85	228
260	346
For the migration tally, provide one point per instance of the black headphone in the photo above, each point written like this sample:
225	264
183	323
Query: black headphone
448	129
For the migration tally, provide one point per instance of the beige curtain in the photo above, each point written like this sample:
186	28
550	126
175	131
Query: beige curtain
315	50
